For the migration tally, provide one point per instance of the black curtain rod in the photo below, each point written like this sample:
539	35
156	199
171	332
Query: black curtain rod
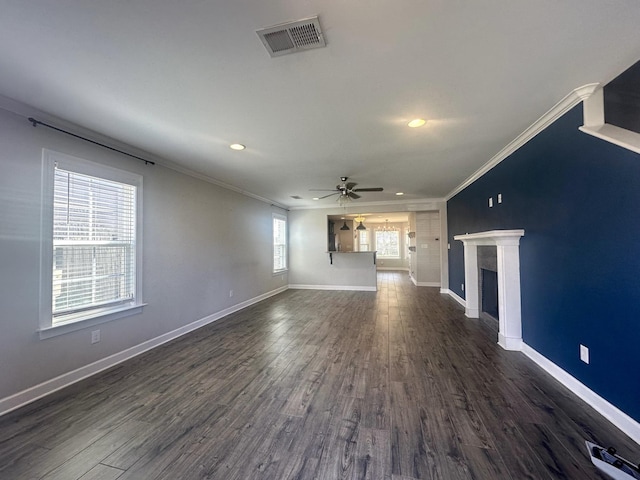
278	206
35	123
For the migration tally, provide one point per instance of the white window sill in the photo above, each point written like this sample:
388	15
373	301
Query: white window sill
280	272
86	320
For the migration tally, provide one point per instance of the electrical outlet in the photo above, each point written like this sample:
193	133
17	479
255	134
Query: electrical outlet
499	198
490	202
462	286
230	293
95	336
584	354
448	246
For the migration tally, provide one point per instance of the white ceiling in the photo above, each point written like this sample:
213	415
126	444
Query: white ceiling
184	79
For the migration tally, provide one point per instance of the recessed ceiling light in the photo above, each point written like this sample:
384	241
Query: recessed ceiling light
316	198
417	122
237	146
399	193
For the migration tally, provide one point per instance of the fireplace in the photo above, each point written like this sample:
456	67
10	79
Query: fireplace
507	245
489	293
488	281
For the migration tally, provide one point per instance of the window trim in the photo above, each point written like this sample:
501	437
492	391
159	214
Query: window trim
278	216
97	316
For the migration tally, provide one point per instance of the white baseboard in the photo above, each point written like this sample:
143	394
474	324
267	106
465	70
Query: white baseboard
298	286
455	296
616	416
48	387
426	284
401	269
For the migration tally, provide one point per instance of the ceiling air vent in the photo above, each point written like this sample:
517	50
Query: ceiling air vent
292	37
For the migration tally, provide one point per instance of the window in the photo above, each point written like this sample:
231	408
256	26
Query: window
90	254
363	240
279	243
388	244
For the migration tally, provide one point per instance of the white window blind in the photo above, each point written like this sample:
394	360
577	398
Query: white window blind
279	243
94	243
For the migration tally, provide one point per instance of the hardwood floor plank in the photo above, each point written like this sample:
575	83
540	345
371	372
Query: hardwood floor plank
373	455
91	456
521	460
338	458
557	459
411	454
485	463
102	472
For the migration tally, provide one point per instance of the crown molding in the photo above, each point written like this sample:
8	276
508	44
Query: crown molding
563	106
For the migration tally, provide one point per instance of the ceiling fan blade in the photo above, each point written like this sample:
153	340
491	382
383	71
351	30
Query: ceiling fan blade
350	185
330	195
355	196
373	189
322	189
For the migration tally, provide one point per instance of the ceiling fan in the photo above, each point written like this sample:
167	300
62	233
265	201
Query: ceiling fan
346	190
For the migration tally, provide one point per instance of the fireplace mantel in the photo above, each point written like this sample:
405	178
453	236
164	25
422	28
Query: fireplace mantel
507	244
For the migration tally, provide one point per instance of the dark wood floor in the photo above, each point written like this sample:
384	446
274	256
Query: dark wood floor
396	384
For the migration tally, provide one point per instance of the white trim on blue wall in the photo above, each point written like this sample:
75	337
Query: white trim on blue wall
455	296
555	112
594	124
616	416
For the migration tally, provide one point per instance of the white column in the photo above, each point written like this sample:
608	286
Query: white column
510	334
471	293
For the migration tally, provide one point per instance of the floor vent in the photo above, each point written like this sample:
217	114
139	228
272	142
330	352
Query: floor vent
292	37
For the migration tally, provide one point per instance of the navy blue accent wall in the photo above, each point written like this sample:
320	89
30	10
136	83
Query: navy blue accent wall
578	199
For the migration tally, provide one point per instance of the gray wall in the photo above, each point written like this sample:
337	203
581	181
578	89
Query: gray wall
309	261
199	242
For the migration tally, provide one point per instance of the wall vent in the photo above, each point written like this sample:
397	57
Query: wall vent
292	37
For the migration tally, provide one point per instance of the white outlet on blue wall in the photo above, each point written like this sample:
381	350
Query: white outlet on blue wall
584	354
